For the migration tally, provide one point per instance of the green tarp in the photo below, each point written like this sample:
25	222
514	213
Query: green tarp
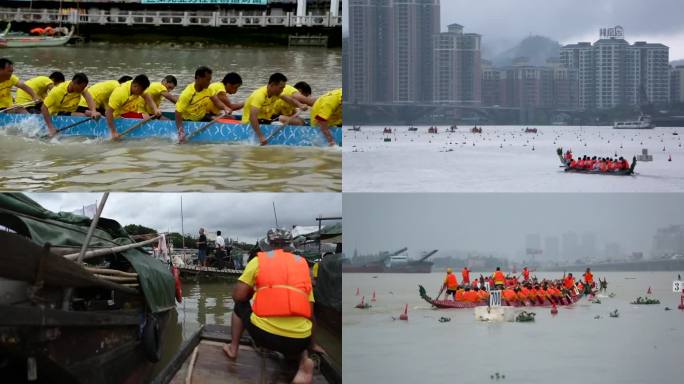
28	218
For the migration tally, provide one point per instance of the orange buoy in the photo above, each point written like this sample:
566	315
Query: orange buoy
362	304
681	301
373	299
404	316
554	309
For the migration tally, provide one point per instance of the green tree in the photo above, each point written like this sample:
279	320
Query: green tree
134	229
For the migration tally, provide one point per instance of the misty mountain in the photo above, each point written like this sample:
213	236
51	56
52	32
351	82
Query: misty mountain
536	48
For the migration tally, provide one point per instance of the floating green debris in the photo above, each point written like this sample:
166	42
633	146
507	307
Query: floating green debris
444	319
614	313
525	316
645	300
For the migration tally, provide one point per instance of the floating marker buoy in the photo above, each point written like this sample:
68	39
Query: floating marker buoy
649	291
363	304
357	291
404	316
373	298
681	304
554	309
669	157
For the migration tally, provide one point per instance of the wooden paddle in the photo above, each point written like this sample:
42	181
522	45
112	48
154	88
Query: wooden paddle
135	126
23	105
203	128
277	130
69	126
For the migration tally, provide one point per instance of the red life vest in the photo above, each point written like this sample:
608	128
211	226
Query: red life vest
466	276
588	277
526	274
499	277
283	285
451	281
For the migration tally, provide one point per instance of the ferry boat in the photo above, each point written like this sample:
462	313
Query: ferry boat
644	122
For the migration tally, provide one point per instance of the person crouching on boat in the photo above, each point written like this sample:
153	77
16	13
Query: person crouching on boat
157	90
483	294
281	315
125	101
450	283
63	100
195	102
9	80
41	85
327	112
100	93
258	108
293	97
509	296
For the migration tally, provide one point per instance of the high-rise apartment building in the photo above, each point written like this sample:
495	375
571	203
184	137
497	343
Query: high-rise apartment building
457	67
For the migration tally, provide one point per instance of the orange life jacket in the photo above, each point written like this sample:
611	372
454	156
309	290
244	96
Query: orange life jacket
523	293
484	295
452	283
283	285
509	295
499	277
569	282
588	277
459	295
471	296
466	276
526	274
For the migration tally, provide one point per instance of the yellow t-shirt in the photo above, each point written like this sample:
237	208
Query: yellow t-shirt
100	93
6	91
39	85
155	90
315	270
121	100
193	105
215	89
288	326
282	107
329	107
60	100
259	99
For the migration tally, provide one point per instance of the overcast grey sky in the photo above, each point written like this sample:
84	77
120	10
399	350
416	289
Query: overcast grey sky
499	222
503	23
246	216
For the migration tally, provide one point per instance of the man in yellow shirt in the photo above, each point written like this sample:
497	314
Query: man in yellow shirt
326	112
259	105
100	93
64	99
9	80
298	96
228	86
196	100
281	316
126	99
160	89
41	85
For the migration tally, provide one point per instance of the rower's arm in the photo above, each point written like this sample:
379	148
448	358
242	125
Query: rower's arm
91	104
226	100
254	121
219	104
179	126
242	292
150	103
168	96
292	101
109	112
304	99
326	132
21	85
48	120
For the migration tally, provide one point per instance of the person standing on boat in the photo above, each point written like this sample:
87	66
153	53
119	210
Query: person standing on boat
41	85
589	278
499	278
125	101
220	248
450	283
465	276
327	112
157	90
281	315
526	274
202	248
63	100
292	98
9	80
259	105
196	100
228	86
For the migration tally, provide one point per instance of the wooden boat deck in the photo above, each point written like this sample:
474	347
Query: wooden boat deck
213	366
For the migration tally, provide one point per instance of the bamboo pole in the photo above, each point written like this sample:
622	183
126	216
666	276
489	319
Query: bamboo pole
115	278
109	251
188	377
104	271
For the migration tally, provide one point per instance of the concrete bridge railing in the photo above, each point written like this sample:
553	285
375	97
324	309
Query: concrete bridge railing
157	18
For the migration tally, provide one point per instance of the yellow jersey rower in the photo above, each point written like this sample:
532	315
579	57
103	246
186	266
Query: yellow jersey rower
160	89
127	98
41	85
259	105
228	86
64	99
327	112
297	96
101	92
9	80
196	100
